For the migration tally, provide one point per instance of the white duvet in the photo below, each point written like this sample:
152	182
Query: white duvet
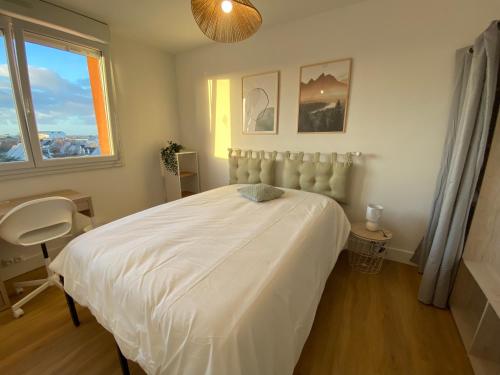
210	284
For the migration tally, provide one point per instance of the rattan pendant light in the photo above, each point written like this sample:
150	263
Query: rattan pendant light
226	21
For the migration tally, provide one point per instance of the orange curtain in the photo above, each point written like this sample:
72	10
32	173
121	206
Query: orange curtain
99	107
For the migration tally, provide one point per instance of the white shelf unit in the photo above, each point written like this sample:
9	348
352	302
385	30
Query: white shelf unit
476	312
187	180
475	301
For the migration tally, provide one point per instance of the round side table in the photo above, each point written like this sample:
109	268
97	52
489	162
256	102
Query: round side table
367	248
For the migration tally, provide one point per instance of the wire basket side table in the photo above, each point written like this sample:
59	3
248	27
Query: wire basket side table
367	249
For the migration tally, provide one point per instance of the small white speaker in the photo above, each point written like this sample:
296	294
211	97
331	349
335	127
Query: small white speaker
373	216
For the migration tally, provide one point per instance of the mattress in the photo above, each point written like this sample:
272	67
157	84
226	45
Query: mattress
211	284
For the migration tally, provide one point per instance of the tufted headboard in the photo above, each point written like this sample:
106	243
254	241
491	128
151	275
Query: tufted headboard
328	176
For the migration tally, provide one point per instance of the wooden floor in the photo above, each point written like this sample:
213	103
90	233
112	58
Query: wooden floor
365	324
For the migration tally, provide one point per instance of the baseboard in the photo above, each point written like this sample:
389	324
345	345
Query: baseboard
399	255
28	264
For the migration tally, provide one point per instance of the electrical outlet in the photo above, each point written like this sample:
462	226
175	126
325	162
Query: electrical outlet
7	262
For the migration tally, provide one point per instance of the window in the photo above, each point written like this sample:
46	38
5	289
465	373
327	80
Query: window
12	148
54	102
68	101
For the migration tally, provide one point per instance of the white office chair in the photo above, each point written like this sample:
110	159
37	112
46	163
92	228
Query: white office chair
35	223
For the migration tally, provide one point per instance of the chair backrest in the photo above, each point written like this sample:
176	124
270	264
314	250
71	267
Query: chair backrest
38	221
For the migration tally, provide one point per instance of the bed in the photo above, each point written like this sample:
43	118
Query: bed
210	284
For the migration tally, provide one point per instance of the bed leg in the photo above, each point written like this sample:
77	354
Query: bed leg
72	309
123	361
71	306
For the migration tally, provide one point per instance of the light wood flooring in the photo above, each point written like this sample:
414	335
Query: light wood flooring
365	324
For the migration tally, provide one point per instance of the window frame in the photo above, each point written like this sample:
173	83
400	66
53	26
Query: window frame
6	28
15	30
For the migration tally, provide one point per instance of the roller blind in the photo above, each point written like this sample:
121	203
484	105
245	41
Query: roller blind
50	15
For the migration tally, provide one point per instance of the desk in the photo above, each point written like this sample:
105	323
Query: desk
82	201
83	204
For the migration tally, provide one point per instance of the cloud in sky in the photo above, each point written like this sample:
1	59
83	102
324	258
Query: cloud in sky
60	104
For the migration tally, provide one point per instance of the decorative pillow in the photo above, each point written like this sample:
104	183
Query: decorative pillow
329	178
260	192
248	167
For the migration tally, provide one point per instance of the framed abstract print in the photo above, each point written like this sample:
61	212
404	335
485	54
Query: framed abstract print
260	103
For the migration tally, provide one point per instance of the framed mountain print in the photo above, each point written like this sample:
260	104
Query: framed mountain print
260	103
324	96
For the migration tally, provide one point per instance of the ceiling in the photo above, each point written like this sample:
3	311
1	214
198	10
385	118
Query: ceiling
169	23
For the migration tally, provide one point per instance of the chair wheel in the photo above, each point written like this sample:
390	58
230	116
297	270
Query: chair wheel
19	290
18	313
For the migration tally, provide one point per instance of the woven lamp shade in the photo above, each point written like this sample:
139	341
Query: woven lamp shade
241	23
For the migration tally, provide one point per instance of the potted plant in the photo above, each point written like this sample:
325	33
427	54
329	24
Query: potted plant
168	156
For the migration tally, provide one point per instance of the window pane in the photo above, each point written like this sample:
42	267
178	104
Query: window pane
68	100
11	142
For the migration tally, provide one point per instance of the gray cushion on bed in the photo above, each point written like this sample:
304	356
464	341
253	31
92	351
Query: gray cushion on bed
260	192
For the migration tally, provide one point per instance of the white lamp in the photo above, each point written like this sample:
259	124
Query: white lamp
373	216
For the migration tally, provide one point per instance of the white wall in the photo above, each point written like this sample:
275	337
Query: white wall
147	118
402	77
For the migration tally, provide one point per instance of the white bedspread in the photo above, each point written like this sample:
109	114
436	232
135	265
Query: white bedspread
210	284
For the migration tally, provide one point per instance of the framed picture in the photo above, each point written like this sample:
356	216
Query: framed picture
260	94
324	96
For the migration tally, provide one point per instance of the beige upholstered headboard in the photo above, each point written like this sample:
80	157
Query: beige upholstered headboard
328	175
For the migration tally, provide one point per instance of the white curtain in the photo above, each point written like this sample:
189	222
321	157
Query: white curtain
440	252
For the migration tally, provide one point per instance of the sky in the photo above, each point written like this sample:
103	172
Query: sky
61	91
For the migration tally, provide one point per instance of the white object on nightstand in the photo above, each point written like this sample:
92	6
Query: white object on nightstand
187	180
373	216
